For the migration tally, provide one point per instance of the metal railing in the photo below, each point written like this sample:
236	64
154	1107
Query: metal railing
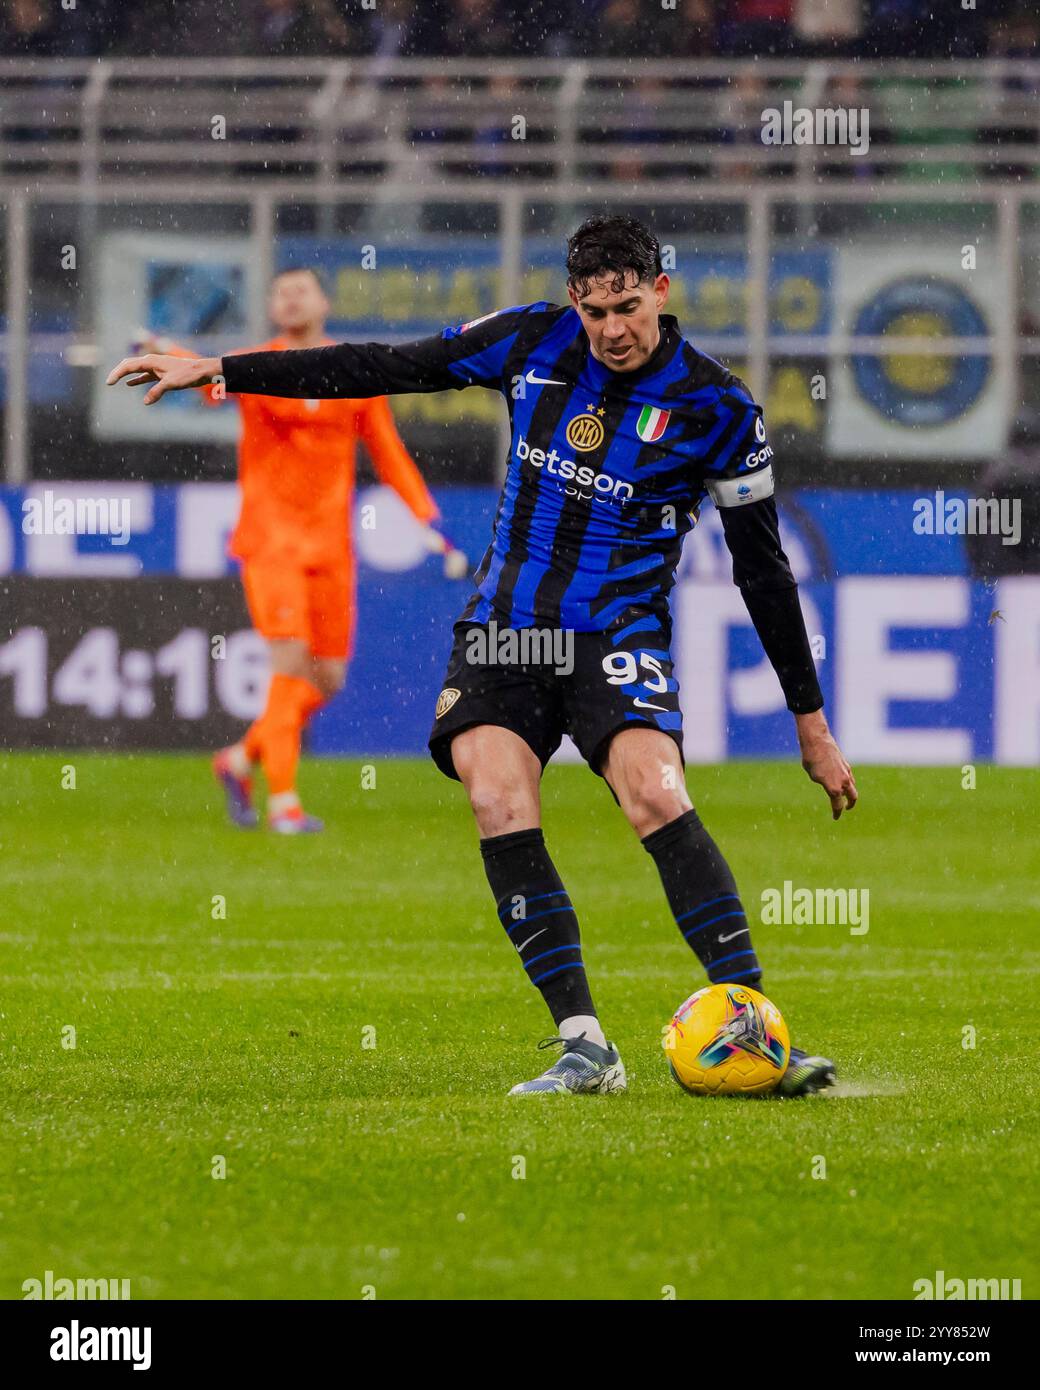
757	345
425	119
389	133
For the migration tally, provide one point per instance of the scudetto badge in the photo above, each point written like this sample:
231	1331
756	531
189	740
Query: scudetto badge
445	700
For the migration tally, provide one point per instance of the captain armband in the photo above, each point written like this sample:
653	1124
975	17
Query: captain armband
734	492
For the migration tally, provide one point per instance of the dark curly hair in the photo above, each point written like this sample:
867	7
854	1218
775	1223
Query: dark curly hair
617	244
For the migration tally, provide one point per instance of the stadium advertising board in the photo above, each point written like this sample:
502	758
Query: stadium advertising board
920	405
895	406
152	662
135	635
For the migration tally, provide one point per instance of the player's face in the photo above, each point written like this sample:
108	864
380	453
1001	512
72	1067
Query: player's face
623	329
297	302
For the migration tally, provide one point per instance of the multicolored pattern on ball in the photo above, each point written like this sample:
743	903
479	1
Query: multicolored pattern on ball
727	1040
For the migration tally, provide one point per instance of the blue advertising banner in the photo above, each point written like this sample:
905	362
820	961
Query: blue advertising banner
920	662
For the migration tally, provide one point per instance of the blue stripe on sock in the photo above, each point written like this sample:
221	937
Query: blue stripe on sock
554	952
702	906
732	957
510	905
575	965
539	897
737	912
739	975
524	921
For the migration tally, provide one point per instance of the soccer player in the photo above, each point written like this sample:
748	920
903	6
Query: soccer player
620	428
293	540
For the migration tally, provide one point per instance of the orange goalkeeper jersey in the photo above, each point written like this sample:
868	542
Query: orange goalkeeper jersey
296	474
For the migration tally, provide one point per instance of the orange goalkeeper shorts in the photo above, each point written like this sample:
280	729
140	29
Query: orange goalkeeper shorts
312	605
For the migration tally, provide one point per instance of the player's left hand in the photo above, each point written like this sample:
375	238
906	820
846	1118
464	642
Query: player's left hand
825	763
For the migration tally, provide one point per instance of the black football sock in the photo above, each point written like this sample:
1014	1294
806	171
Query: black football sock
702	894
536	912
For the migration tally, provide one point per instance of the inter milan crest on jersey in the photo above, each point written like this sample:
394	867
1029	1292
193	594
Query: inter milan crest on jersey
585	432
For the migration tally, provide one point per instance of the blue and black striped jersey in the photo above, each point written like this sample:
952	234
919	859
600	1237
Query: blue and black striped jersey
606	471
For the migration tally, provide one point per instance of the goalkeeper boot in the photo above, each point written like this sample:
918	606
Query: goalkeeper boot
294	821
238	792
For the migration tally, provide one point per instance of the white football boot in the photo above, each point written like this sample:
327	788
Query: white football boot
584	1068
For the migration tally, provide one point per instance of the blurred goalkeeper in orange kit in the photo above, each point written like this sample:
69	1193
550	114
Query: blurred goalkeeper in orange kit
294	542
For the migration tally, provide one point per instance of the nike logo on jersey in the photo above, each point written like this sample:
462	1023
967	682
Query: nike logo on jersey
645	704
532	938
542	380
743	932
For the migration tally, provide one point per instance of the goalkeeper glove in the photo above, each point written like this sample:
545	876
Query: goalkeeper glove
456	565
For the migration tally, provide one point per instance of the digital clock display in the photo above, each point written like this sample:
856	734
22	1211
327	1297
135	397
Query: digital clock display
139	663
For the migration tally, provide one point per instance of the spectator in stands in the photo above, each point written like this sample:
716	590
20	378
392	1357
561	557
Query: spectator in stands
27	30
642	124
623	29
161	31
46	29
626	30
690	31
301	29
759	28
828	28
493	142
1017	35
611	29
474	29
912	29
849	92
548	28
400	29
741	111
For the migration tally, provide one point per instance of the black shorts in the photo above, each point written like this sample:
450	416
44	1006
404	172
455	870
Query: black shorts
543	683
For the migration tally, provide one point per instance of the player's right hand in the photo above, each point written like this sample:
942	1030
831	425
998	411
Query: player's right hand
166	373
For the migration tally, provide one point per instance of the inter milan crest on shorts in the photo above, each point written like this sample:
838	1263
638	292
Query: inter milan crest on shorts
445	700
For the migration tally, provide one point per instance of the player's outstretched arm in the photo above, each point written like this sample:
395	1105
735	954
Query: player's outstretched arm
474	354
